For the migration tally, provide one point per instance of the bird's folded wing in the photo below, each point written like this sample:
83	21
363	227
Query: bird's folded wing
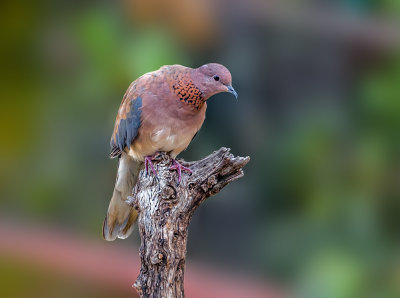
127	123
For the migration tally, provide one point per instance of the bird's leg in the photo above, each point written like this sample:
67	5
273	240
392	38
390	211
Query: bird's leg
148	160
179	168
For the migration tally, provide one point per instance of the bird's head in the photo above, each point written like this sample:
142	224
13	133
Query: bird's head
213	78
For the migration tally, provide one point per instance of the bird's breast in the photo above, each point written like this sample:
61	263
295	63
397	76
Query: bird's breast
171	139
161	139
167	126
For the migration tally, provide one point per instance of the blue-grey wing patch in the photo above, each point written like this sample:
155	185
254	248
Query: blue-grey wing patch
126	126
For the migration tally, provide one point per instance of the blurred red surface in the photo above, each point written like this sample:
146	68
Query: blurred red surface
105	264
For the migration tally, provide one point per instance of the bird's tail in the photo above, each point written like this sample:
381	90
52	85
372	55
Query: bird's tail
120	218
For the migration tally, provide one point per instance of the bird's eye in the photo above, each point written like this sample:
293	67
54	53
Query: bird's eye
216	78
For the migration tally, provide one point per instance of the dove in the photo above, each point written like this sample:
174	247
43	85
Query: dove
161	111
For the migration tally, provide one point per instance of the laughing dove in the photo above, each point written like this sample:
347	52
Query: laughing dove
160	112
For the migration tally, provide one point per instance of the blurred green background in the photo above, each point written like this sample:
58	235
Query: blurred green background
318	211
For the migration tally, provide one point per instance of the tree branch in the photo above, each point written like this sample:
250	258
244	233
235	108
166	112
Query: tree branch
165	210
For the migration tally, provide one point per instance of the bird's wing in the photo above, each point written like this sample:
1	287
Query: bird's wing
127	123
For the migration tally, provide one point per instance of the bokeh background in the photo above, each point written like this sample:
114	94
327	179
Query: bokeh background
317	213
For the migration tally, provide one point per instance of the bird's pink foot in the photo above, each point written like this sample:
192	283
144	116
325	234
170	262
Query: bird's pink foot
179	168
148	161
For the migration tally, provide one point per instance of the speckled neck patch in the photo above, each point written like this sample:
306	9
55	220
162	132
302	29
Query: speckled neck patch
189	93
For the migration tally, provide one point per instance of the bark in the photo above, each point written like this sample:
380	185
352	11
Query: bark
165	210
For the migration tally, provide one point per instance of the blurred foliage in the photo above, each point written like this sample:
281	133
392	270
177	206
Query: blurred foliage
319	205
36	280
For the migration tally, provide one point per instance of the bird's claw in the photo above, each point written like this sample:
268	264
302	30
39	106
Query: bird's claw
179	168
148	161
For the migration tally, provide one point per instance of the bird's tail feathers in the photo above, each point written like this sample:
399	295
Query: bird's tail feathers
120	218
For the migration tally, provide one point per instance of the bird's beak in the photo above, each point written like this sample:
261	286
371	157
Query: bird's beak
231	90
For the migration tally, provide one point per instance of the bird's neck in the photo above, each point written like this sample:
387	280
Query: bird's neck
187	92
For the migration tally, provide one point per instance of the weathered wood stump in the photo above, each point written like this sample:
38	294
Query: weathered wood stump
165	210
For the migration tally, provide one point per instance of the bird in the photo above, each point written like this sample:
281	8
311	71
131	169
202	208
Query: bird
161	111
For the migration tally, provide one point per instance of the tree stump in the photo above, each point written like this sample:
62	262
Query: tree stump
165	210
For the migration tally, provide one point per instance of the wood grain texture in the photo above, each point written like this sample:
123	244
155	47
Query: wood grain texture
165	210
